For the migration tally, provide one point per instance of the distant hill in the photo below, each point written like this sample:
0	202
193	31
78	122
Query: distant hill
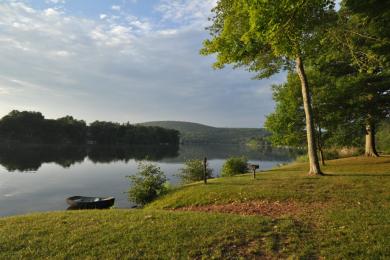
198	133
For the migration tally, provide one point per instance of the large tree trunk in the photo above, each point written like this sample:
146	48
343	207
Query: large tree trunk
370	141
311	144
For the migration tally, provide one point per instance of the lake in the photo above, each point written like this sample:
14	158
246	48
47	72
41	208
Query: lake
39	178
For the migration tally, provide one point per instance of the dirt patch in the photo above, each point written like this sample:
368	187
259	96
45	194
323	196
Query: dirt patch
265	208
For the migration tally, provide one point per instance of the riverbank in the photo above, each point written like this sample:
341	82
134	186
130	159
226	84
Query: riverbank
283	213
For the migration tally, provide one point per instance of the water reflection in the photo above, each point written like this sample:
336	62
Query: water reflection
219	151
95	171
109	154
30	158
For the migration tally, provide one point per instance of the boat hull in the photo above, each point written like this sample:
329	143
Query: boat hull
80	202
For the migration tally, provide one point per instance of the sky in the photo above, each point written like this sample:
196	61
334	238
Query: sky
122	60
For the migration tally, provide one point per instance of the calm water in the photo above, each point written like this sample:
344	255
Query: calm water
39	178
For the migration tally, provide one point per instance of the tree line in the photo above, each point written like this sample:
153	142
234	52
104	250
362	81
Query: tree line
338	85
33	127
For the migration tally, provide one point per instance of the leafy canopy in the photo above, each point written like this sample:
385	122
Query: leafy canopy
334	109
356	53
287	122
265	35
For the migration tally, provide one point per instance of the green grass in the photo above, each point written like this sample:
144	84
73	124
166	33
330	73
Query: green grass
350	220
121	234
347	180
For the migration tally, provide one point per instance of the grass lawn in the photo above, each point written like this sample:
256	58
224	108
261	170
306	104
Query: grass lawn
283	213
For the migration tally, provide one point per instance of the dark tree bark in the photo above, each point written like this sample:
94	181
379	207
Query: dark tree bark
370	148
311	144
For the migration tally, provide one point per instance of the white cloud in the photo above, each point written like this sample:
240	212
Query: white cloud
116	7
22	7
115	36
51	12
187	12
125	69
55	1
140	26
168	32
102	16
61	53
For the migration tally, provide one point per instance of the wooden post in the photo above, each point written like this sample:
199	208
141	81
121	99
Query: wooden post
205	170
254	167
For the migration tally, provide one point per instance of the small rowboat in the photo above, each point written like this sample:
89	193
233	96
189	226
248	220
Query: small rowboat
80	202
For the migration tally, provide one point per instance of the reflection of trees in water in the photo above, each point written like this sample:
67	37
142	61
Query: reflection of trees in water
31	157
218	151
107	154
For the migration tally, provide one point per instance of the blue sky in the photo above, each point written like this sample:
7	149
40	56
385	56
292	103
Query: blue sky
121	60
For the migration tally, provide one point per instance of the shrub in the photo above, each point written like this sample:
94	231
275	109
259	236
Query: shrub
234	166
193	171
147	184
302	158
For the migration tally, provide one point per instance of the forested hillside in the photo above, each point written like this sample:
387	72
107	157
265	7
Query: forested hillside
198	133
28	127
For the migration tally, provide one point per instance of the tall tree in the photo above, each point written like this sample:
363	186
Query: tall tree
335	120
361	40
267	36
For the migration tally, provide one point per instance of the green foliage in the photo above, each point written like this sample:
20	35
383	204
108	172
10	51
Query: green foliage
363	31
265	36
356	53
383	137
147	184
364	100
268	36
32	127
194	171
114	133
193	133
287	122
334	106
257	142
235	166
350	91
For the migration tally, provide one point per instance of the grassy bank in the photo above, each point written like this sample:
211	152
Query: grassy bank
347	180
283	213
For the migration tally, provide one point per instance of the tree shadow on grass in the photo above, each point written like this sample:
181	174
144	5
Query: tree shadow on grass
357	175
292	236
